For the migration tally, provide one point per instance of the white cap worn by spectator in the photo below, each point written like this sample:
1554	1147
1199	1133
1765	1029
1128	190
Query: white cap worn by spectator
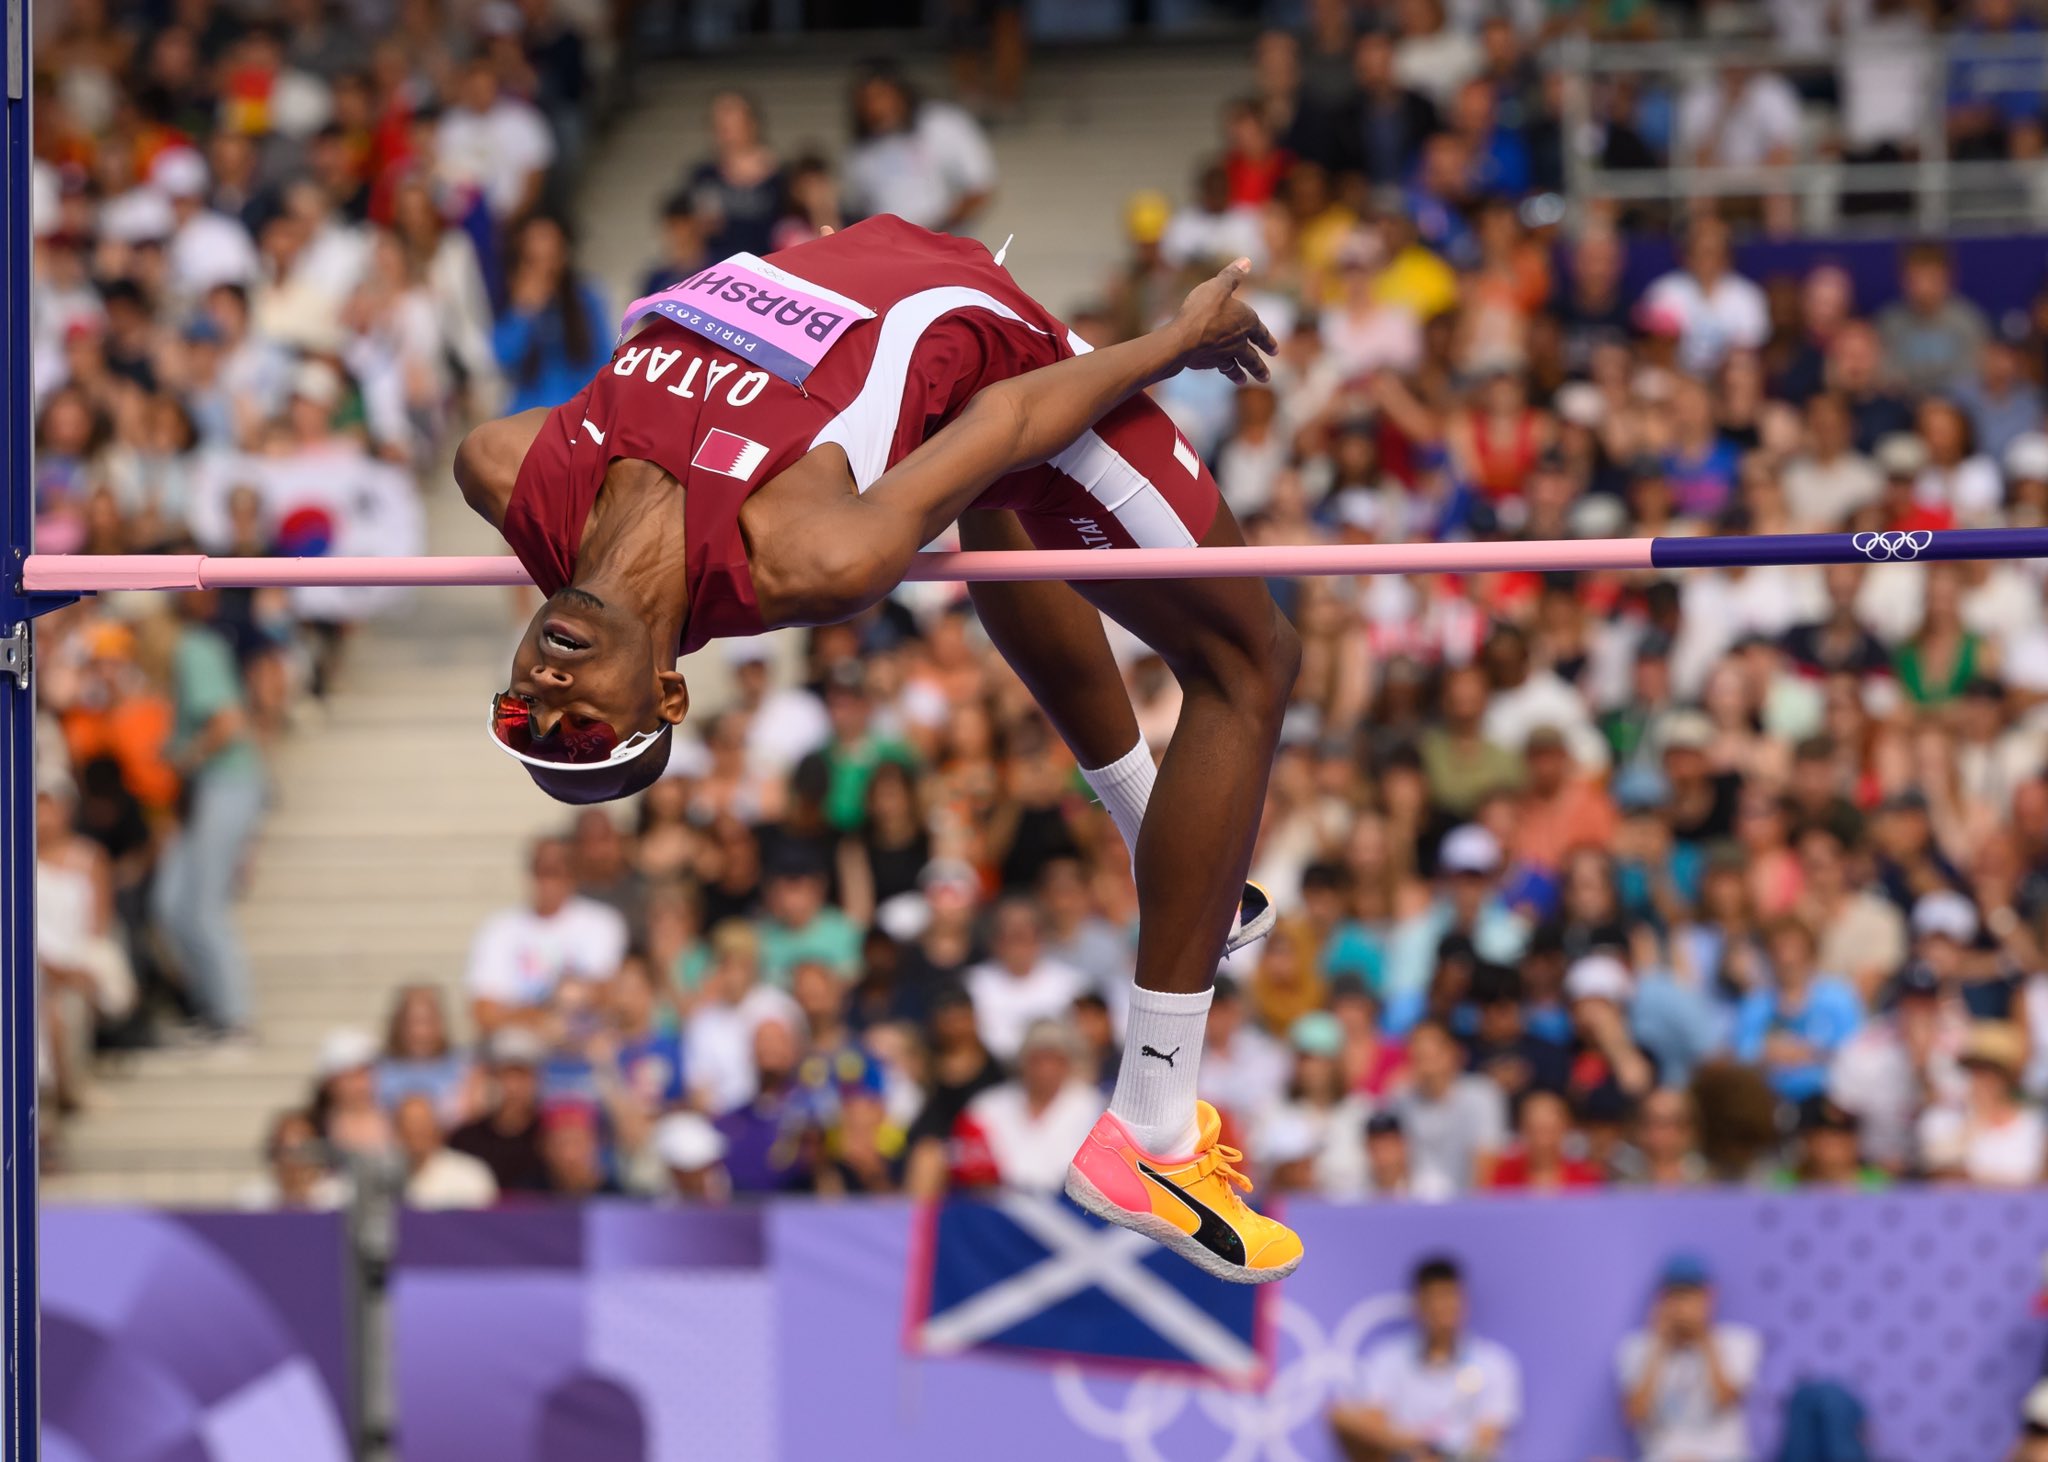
687	1142
1901	454
1947	914
747	650
1469	848
1287	1136
1358	509
346	1049
138	216
687	757
904	917
179	172
2034	1410
318	382
1580	403
1597	515
515	1045
1685	731
953	874
1049	1035
1599	977
2026	457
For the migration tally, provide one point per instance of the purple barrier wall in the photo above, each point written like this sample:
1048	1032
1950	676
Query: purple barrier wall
194	1336
558	1334
631	1334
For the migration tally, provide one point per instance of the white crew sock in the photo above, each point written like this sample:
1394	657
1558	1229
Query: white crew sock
1155	1085
1125	786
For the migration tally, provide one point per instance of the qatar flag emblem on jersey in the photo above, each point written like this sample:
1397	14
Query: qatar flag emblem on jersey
729	453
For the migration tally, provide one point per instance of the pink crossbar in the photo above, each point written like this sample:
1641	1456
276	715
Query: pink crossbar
61	573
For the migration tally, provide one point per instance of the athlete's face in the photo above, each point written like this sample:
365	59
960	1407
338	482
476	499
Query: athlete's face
588	659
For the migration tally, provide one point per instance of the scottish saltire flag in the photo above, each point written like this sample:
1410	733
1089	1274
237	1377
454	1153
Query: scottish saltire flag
1038	1277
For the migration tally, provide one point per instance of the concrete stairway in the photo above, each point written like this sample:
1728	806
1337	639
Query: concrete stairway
395	829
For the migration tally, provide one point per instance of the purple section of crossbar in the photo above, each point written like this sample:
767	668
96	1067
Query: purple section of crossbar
76	573
1891	546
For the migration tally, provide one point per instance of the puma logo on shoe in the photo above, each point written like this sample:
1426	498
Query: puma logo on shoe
1166	1056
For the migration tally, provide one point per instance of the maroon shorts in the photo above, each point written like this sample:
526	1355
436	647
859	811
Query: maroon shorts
1132	482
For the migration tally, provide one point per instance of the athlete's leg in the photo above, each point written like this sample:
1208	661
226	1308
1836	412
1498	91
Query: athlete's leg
1154	1161
1053	639
1235	656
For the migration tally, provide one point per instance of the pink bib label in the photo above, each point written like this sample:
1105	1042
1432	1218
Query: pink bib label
759	312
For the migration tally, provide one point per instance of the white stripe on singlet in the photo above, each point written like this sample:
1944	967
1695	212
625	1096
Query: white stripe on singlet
866	429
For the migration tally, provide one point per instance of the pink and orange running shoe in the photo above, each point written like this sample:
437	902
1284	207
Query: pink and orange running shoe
1193	1205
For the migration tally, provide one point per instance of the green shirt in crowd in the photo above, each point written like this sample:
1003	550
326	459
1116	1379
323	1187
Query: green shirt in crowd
852	768
204	683
832	939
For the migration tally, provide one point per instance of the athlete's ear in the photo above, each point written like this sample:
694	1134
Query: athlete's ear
673	696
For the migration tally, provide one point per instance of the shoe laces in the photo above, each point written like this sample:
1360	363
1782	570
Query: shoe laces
1222	1159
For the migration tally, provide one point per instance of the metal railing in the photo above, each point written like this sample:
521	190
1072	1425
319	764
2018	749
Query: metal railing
1930	190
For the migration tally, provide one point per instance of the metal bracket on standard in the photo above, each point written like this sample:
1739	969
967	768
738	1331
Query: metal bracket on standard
17	638
17	653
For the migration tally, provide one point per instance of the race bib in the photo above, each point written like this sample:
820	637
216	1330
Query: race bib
761	313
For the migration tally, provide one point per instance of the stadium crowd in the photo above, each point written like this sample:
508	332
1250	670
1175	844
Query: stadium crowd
276	258
1607	879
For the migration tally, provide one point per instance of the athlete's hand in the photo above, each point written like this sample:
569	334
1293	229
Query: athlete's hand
1218	331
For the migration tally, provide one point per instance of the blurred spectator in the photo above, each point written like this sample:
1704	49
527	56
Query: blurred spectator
297	1177
1019	983
1663	1151
353	1124
770	1144
1388	1173
1989	1136
1712	308
573	1151
1793	1026
1455	1122
1023	1132
506	1137
1539	1159
437	1176
1827	1153
1685	1378
521	953
1932	338
1440	1390
738	191
1880	1077
959	1069
729	1008
223	772
554	333
1738	117
498	145
800	923
420	1059
922	160
692	1154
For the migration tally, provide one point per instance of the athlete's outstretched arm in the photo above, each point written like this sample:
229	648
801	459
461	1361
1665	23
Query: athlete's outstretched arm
855	556
488	461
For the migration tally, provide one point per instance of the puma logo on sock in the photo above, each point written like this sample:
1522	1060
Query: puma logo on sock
1166	1056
